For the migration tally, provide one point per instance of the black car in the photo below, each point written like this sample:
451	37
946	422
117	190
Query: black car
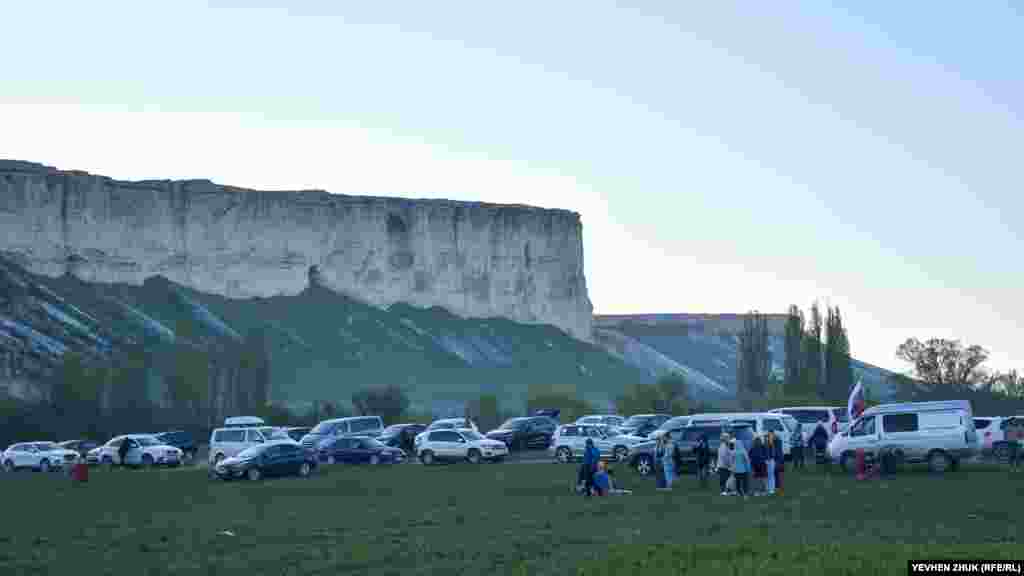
525	433
181	440
80	446
641	456
643	424
359	450
276	458
401	435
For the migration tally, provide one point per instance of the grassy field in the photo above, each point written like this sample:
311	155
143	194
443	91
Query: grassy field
496	519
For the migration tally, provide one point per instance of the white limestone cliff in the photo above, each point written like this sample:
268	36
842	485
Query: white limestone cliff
474	259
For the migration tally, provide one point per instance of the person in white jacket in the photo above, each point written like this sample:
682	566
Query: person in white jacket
725	462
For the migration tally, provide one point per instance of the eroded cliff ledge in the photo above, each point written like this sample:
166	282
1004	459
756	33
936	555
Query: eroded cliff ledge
473	259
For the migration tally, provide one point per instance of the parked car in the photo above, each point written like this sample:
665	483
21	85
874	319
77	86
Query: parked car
393	435
41	456
275	458
80	446
294	433
525	433
992	436
445	424
643	424
181	440
611	420
760	422
939	433
145	451
350	426
359	450
231	441
641	456
569	440
456	445
835	418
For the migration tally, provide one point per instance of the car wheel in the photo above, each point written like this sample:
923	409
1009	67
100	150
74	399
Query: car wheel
473	456
939	462
427	457
147	461
9	466
563	455
44	465
217	459
1001	453
304	469
374	460
644	465
253	474
620	453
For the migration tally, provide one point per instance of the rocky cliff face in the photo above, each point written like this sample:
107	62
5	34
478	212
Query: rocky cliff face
475	260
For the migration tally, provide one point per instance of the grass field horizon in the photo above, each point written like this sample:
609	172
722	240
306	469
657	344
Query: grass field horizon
497	518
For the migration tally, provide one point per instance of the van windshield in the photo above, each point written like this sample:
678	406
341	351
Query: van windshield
805	416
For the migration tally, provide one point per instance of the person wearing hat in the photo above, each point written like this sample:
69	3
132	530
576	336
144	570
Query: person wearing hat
724	463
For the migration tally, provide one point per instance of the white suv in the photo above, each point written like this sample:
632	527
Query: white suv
42	456
454	445
144	450
446	424
570	440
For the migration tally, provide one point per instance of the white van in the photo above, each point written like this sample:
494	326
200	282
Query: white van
939	433
835	418
229	441
348	426
243	421
760	422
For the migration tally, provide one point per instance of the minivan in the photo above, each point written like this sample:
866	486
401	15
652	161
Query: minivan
350	426
939	433
229	441
759	422
835	418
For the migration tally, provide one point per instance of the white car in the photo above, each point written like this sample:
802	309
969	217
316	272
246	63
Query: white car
144	450
42	456
992	436
455	445
446	424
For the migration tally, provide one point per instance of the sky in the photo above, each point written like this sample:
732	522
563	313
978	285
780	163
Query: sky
723	157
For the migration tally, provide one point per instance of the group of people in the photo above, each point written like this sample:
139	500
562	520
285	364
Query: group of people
595	478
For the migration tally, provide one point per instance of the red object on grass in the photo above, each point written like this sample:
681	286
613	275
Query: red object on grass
860	464
80	472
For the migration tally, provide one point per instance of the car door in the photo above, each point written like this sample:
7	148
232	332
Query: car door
359	450
864	435
572	438
270	461
456	445
290	460
20	455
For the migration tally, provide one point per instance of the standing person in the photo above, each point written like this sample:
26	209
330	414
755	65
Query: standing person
741	467
1015	437
819	440
724	463
668	461
659	463
769	460
776	462
591	456
703	455
796	446
758	455
122	452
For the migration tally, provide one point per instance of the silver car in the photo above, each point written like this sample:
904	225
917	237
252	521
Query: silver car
570	440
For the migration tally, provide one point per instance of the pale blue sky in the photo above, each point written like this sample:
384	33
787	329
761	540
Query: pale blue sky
723	157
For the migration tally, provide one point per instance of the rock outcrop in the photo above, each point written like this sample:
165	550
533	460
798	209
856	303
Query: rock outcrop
473	259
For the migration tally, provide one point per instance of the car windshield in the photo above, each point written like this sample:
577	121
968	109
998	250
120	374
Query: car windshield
45	446
513	423
147	441
635	421
808	416
471	435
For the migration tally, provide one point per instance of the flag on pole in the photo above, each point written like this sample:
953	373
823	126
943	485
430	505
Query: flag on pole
855	405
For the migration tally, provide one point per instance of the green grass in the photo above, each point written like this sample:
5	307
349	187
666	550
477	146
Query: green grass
494	519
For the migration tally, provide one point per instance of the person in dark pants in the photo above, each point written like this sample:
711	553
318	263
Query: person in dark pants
741	467
703	456
1015	439
819	440
591	456
122	451
796	446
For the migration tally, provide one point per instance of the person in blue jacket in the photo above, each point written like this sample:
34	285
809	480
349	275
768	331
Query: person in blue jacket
591	456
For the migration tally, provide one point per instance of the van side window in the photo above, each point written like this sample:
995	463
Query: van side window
900	423
253	436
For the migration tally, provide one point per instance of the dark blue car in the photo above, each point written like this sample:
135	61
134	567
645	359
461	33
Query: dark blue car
275	458
359	450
